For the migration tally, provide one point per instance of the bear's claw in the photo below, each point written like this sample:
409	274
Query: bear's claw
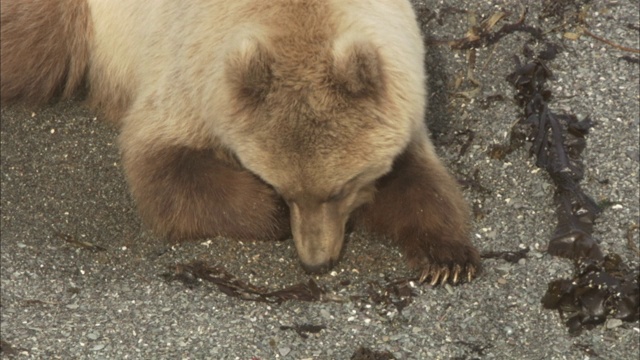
441	274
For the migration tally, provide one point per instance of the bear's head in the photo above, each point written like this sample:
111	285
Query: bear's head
317	122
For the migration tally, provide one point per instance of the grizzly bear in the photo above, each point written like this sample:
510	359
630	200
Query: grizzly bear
256	119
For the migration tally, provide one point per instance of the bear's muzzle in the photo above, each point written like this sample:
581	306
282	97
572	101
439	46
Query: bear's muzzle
318	233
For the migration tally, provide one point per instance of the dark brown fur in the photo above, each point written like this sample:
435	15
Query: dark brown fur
419	206
185	193
44	47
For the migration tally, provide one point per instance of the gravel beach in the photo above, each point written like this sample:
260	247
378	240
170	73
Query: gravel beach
82	278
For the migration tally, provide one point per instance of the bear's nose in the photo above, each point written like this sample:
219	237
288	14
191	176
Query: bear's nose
318	268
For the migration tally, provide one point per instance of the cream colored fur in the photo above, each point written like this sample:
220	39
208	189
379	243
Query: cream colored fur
143	54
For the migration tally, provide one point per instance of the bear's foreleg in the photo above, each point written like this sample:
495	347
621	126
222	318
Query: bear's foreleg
420	207
186	193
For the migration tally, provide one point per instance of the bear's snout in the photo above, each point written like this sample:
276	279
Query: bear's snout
318	233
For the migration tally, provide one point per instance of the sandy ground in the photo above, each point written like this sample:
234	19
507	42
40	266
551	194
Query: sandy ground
62	180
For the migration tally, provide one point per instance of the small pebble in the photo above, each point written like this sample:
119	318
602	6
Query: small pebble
448	288
613	323
98	347
284	351
508	330
325	314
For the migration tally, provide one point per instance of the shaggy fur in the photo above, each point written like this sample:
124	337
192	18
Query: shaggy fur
257	119
45	48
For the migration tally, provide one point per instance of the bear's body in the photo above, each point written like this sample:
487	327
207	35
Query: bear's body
257	119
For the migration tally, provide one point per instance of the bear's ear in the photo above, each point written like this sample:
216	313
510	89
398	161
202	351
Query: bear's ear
357	69
248	71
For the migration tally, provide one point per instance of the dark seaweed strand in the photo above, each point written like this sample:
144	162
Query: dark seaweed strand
603	286
558	141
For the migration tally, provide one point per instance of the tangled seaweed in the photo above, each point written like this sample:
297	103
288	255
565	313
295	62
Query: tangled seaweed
396	294
558	141
192	274
602	286
600	289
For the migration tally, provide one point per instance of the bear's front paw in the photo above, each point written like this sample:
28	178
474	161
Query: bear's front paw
446	262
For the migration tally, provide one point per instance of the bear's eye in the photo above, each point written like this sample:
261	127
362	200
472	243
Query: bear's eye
337	195
343	191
